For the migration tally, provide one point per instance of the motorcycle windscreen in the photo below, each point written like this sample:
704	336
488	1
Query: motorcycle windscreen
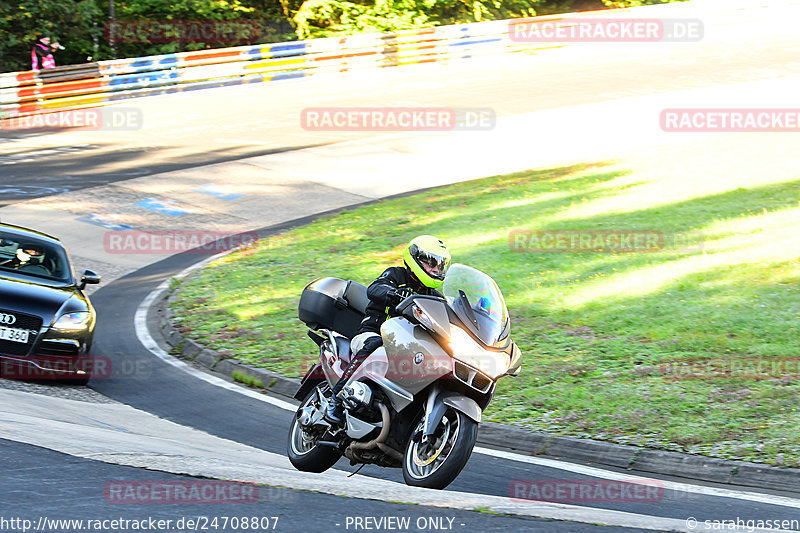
478	302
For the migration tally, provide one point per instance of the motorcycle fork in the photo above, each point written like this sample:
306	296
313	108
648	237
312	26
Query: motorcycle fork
430	406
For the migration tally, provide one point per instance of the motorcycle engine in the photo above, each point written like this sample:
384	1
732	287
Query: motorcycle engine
357	394
357	398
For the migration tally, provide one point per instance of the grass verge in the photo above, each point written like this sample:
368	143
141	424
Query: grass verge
247	379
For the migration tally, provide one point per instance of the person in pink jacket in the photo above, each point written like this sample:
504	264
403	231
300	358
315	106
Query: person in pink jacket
42	53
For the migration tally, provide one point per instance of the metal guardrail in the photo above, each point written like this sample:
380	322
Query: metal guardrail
93	84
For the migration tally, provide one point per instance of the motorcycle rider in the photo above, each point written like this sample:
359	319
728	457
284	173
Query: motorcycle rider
426	260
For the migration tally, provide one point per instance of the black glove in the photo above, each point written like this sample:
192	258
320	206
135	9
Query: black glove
398	295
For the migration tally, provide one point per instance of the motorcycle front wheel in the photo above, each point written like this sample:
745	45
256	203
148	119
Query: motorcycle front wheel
302	449
435	463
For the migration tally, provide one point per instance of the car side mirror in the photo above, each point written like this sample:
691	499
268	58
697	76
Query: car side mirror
88	277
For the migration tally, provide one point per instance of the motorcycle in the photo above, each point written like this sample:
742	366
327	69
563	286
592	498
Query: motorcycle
415	403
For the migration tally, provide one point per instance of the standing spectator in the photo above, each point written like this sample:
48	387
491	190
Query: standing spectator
42	53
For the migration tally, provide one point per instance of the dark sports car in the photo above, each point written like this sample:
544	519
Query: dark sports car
46	321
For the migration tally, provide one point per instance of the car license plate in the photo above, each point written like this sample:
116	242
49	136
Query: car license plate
14	334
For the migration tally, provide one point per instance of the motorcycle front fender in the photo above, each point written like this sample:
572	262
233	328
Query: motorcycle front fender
313	377
457	401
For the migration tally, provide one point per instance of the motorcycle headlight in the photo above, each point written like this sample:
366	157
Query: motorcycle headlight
466	350
73	321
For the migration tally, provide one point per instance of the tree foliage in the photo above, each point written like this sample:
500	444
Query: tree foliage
82	26
76	23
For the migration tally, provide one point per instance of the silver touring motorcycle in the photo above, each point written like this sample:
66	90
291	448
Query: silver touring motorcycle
416	402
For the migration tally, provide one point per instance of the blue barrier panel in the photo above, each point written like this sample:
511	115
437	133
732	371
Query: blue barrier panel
289	75
207	84
143	80
466	43
153	63
288	49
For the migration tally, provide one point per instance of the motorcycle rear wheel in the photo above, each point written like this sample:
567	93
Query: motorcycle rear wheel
302	449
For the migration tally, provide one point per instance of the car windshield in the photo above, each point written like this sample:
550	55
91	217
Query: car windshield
29	256
477	300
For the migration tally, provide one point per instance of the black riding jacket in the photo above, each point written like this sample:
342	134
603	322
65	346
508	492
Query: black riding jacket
380	306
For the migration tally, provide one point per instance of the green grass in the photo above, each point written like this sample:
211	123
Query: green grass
603	334
247	379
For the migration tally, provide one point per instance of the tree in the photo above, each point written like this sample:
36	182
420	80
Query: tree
77	24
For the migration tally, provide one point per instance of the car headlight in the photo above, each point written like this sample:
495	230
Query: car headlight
466	350
73	321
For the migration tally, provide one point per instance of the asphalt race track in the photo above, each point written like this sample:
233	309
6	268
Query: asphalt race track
73	478
213	126
187	133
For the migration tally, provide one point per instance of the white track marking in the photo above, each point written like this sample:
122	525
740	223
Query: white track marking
674	487
143	334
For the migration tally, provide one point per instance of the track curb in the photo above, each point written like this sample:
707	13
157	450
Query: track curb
511	438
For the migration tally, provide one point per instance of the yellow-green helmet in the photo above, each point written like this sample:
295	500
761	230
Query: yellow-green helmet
428	258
